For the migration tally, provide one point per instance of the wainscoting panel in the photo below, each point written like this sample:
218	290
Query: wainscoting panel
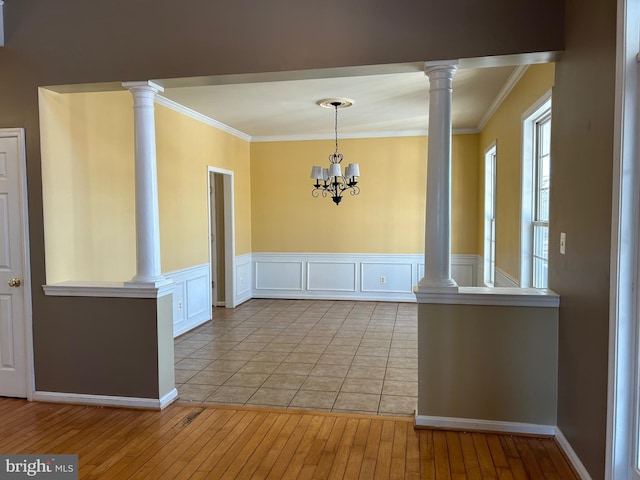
243	279
279	275
191	297
332	276
388	277
348	276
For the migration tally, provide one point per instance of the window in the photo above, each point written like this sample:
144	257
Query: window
541	207
536	169
490	215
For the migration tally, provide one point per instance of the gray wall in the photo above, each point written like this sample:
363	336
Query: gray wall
581	176
99	346
79	41
488	362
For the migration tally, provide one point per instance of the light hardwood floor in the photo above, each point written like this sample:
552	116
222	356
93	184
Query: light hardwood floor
190	441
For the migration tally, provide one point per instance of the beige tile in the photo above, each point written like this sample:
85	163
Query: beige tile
341	350
288	339
270	357
404	343
260	338
378	335
402	362
402	374
246	379
335	359
313	399
231	394
316	339
227	365
294	368
238	355
369	361
327	370
272	397
391	387
404	352
356	371
397	405
206	353
184	375
207	377
347	341
373	351
309	348
279	347
375	342
362	385
195	393
259	367
357	401
324	384
285	382
302	358
249	346
193	364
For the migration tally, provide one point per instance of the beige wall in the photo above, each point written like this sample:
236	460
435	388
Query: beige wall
505	128
387	217
88	186
488	362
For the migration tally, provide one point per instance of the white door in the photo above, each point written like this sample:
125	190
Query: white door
14	292
214	235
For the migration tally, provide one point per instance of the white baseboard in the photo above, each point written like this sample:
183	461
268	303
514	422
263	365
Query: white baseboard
107	400
571	455
484	425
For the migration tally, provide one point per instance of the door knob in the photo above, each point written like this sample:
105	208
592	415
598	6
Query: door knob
15	282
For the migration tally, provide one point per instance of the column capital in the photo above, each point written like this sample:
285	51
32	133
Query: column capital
445	66
147	85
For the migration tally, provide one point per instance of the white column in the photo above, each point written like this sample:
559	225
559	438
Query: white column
148	271
437	269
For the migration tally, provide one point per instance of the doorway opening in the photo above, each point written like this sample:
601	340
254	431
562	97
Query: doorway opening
221	237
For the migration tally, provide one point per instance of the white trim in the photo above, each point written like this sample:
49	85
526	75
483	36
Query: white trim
571	455
188	296
483	425
503	279
489	214
622	422
107	400
229	233
329	136
509	85
107	289
243	278
1	23
402	272
176	107
527	194
510	297
26	256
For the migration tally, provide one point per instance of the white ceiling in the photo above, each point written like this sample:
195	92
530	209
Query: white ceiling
391	103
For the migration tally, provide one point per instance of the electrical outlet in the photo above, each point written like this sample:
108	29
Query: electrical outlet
383	280
563	243
179	304
241	280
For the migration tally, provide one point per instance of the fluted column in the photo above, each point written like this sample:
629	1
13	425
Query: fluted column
437	275
148	271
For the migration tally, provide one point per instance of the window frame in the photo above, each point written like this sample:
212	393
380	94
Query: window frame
490	177
530	118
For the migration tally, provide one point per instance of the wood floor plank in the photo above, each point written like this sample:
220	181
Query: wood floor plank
341	458
356	455
368	467
196	441
427	455
470	457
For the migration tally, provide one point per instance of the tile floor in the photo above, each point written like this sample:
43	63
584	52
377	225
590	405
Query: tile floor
304	354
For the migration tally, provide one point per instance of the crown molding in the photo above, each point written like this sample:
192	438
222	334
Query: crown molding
511	82
176	107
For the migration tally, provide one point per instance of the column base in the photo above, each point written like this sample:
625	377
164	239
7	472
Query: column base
157	282
440	286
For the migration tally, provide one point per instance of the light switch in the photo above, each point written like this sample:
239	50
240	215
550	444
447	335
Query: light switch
563	242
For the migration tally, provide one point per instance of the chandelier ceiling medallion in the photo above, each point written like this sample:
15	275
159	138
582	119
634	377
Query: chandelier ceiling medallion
330	181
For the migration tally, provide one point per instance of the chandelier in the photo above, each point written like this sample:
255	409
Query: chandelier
330	181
